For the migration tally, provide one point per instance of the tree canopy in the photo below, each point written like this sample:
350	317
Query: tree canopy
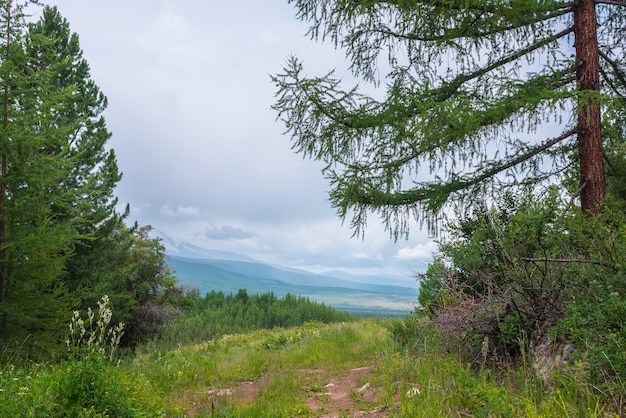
459	100
63	244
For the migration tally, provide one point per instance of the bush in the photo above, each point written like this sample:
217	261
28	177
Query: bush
90	383
492	281
594	317
528	273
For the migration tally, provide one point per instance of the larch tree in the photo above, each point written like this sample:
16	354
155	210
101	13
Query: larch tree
475	97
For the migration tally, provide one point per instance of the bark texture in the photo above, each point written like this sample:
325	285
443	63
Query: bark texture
589	116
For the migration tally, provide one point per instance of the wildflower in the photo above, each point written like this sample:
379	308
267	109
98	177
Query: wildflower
90	314
414	391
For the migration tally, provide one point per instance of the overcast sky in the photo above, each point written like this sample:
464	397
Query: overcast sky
203	158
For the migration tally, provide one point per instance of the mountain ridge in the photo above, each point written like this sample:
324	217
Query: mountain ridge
227	272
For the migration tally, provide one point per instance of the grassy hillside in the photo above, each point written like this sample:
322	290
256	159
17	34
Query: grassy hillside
315	370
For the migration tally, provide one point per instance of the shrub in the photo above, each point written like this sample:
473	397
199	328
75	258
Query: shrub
527	272
90	383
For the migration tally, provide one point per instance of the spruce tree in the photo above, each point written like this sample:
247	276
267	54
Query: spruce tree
78	119
34	244
475	97
107	257
63	244
88	187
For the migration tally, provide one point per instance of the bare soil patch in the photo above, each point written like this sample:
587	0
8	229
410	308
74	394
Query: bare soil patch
328	396
351	393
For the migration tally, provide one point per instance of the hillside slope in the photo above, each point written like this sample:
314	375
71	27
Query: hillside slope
229	276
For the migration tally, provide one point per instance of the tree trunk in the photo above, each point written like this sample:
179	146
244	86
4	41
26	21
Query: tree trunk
589	117
3	163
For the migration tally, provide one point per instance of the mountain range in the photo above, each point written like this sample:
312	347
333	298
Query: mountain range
207	270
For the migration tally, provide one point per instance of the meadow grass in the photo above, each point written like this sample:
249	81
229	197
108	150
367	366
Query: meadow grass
288	367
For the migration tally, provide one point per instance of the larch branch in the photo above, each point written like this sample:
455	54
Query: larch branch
618	72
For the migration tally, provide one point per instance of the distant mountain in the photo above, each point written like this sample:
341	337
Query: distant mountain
229	276
228	272
187	250
393	280
264	272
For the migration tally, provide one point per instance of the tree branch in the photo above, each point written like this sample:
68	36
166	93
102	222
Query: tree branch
478	6
611	2
567	260
472	32
618	72
571	202
375	197
486	118
449	89
521	158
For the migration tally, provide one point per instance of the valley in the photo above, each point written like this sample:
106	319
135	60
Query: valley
363	298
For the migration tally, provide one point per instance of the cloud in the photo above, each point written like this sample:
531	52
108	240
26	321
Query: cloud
417	252
367	256
203	157
228	232
180	211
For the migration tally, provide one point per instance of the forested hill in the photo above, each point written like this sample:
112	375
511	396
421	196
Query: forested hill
229	276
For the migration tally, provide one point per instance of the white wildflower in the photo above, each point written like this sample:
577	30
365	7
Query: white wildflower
413	392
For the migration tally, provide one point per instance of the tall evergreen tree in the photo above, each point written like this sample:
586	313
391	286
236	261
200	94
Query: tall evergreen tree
62	242
474	93
89	186
107	257
78	118
34	244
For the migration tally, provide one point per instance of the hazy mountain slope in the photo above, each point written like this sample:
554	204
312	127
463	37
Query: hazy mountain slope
229	276
299	277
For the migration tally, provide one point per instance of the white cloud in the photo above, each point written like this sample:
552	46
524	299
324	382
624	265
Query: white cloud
179	211
203	157
417	252
227	232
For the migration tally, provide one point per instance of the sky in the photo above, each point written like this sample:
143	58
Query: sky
204	159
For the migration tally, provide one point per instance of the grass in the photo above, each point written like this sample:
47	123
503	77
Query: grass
286	373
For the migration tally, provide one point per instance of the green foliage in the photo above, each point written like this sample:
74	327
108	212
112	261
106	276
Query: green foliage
431	295
614	133
526	274
34	243
183	382
89	389
81	133
217	314
596	308
453	101
88	383
130	266
107	257
62	242
433	381
494	279
415	333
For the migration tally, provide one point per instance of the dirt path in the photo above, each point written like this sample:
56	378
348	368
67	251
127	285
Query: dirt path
351	394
